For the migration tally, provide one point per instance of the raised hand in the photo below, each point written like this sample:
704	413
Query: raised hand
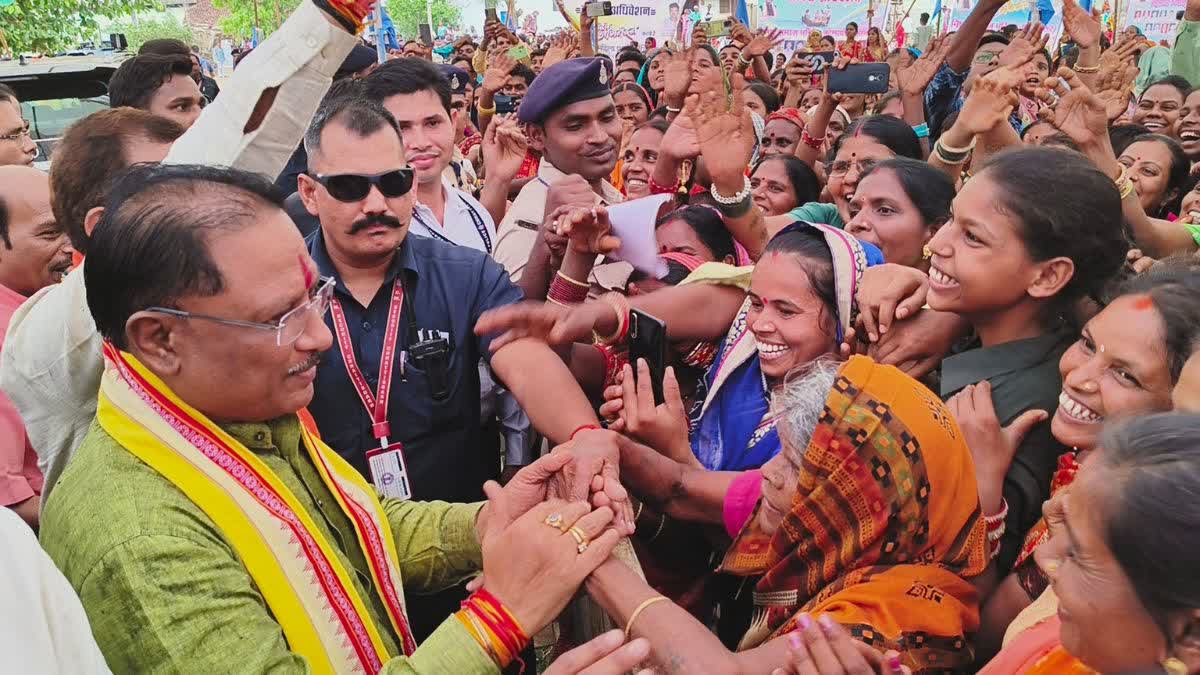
680	141
497	73
1024	46
677	74
1078	112
532	566
762	42
991	101
914	79
725	132
699	36
504	147
1081	25
560	49
589	231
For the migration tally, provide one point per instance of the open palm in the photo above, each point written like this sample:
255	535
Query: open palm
914	79
1083	26
677	75
1078	113
724	130
762	43
681	137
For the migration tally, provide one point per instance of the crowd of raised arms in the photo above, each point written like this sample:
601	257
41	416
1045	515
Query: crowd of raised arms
359	367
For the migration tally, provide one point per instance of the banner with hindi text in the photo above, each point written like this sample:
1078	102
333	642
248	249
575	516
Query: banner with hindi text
797	18
1156	18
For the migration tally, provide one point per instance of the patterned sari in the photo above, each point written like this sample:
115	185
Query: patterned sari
885	528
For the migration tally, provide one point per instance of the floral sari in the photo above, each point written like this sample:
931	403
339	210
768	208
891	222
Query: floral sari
885	528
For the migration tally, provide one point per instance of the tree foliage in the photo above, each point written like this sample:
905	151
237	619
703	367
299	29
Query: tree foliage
48	26
240	21
408	15
148	29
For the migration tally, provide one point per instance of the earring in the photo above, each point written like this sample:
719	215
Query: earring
926	252
1174	666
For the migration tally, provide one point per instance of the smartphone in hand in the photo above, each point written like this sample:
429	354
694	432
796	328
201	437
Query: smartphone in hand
860	78
648	340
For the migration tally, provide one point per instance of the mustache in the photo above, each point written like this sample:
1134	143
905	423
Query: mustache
375	219
311	362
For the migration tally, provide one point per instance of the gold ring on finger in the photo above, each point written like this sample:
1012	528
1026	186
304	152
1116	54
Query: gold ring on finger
555	520
581	539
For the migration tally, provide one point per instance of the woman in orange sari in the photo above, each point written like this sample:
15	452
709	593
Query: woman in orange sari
868	519
1122	560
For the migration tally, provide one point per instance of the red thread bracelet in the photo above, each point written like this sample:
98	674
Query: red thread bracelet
584	427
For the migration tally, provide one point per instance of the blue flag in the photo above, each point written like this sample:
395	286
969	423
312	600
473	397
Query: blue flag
742	12
1045	11
937	10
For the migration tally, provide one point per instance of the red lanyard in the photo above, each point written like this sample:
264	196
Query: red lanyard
377	406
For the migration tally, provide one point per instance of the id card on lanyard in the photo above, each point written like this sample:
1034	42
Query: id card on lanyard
389	472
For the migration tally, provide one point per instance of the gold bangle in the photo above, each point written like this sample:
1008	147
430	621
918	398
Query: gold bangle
661	523
485	111
1086	70
574	282
620	307
645	603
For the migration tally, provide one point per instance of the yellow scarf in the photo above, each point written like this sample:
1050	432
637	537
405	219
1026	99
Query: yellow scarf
310	593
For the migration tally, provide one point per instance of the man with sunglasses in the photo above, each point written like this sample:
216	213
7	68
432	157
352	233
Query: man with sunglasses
400	390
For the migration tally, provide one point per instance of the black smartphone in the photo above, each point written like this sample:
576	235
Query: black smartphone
489	12
860	78
506	105
820	60
648	340
427	35
602	8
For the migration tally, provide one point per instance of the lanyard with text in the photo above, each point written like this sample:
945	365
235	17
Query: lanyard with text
389	472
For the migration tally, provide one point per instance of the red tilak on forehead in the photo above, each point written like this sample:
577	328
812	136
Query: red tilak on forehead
305	270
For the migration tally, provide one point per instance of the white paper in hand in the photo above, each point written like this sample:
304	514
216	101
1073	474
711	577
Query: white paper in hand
634	222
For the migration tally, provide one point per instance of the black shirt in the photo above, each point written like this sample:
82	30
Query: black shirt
1024	376
448	453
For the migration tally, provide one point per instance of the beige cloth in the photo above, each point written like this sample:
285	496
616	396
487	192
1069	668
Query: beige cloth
51	362
518	231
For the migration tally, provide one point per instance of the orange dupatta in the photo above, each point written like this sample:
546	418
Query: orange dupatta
884	529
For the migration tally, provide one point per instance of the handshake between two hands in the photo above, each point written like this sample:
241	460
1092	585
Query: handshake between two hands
551	526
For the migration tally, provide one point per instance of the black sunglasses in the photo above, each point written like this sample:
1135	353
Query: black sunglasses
353	187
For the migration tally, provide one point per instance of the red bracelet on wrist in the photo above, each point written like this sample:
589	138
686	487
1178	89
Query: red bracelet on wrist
584	427
814	143
567	291
657	188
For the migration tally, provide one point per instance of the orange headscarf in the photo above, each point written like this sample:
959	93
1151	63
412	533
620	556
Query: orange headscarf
885	527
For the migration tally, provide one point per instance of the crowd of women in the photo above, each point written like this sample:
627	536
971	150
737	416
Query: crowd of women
932	390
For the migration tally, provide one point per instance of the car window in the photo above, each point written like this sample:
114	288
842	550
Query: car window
48	119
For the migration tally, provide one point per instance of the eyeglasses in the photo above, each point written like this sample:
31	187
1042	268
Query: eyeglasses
984	58
288	328
842	167
21	133
354	187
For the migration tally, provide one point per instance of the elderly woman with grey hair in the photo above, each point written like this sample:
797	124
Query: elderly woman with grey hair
868	518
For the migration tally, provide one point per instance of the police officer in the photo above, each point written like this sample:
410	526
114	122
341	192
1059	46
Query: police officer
571	120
